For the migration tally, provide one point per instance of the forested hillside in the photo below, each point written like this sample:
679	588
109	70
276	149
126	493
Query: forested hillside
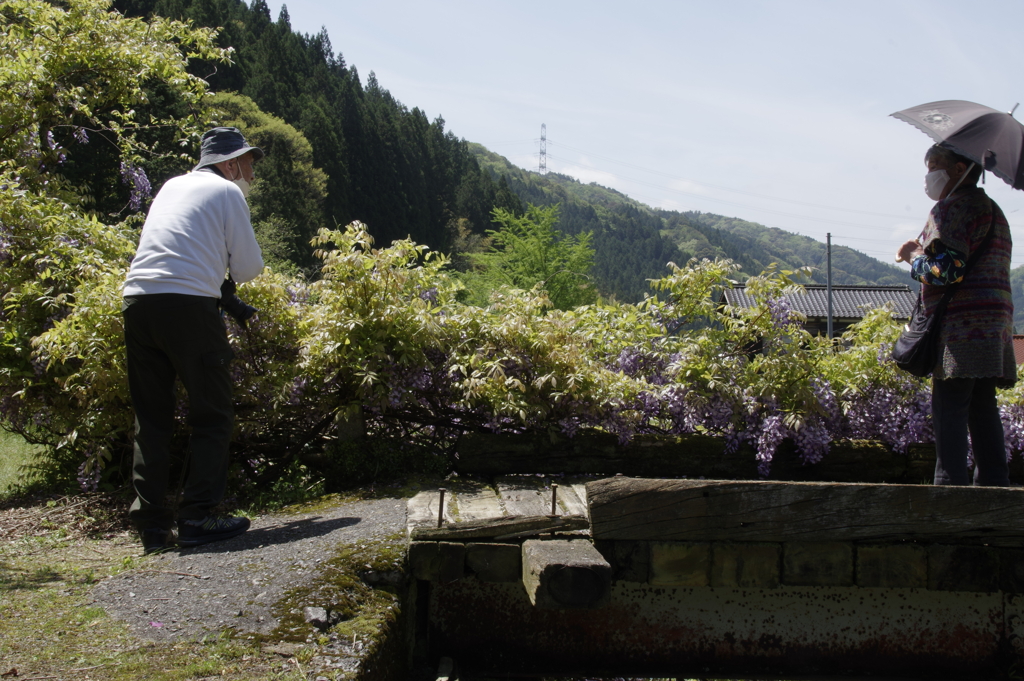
755	246
386	165
633	242
406	176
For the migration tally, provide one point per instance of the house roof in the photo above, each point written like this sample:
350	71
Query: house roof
848	302
1018	349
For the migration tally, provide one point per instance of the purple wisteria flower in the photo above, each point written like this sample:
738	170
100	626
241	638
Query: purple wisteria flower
812	441
429	295
89	474
781	312
140	188
773	432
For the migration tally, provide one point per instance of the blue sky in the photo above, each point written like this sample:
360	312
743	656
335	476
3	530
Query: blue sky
775	112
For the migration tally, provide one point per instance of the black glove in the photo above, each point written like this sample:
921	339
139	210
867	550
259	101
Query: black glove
232	304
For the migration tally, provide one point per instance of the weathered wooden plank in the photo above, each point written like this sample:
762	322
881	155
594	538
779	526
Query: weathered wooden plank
475	501
715	510
421	510
565	574
507	527
581	491
524	496
569	501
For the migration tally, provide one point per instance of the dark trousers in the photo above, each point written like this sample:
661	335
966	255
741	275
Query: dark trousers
959	406
170	336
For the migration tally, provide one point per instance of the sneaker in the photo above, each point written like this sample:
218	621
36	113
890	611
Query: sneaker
156	540
210	529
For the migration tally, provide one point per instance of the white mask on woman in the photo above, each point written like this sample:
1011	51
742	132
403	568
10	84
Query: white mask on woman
934	183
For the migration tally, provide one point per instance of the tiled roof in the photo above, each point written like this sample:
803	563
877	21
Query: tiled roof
1018	349
848	302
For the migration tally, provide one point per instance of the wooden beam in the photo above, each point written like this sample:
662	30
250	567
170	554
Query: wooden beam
565	574
499	528
715	510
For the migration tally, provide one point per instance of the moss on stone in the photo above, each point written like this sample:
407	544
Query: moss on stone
360	608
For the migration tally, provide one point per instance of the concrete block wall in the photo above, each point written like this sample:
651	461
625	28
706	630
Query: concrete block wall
834	564
449	561
750	565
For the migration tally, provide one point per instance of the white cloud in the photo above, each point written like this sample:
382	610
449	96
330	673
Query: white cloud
904	231
688	187
587	175
524	161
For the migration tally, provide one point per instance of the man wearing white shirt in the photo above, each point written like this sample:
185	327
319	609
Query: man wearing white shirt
197	230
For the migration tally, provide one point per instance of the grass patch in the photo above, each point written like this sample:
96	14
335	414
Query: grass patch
15	453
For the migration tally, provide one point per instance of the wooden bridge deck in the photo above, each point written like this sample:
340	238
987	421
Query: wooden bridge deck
701	578
513	507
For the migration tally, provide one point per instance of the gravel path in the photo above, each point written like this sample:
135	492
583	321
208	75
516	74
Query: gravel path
187	594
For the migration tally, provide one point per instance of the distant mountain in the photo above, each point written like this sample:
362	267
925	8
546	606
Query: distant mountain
755	246
633	242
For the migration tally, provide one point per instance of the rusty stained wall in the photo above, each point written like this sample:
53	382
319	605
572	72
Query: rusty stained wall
675	631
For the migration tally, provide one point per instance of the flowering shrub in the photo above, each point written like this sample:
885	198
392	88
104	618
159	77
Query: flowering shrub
74	79
381	345
61	371
76	73
1011	407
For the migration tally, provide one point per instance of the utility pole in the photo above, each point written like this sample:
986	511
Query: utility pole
543	149
828	256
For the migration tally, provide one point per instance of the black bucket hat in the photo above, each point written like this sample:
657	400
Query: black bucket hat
224	144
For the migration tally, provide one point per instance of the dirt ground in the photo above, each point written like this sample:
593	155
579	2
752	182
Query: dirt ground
79	601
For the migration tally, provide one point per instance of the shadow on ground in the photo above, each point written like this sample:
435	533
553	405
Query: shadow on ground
283	533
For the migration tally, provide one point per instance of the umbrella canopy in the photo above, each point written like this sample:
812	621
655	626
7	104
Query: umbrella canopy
993	139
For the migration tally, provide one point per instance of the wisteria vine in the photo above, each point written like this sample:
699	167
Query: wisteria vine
381	344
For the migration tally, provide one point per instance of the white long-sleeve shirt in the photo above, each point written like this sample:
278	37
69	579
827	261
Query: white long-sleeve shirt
197	229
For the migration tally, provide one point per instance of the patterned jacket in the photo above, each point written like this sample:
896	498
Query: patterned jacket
977	330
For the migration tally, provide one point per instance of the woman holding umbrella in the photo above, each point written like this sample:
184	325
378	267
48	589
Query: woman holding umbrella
976	337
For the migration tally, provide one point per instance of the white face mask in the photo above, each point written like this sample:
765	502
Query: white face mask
243	185
934	183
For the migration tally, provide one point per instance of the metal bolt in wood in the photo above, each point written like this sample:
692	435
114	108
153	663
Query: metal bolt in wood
440	508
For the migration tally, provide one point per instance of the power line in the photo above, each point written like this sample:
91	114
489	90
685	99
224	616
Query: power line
532	140
703	197
728	189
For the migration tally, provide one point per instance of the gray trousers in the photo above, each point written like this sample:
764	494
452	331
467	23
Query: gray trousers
961	406
171	336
